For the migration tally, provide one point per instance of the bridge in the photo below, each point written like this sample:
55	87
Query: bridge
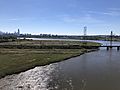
111	46
108	47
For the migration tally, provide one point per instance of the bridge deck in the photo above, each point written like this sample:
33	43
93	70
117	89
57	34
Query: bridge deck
103	46
108	47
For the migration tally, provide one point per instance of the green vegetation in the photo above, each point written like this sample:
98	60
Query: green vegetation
17	60
7	39
48	43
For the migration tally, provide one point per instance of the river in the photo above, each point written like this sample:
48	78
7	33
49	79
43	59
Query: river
99	70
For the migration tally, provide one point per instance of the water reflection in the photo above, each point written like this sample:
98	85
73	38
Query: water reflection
34	79
98	70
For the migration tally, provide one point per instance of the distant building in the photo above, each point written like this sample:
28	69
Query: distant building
1	33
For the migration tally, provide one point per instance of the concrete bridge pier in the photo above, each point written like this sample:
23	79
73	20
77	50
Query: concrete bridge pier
107	48
110	47
118	48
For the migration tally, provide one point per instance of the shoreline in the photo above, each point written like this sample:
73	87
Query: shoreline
20	56
47	63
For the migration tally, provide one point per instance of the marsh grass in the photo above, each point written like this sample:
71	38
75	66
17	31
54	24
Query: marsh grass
18	60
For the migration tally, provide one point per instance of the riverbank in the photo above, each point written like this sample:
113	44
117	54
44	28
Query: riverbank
18	60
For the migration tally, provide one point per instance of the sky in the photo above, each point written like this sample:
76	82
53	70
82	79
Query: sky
62	17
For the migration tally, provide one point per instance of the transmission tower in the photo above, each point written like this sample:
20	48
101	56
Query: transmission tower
85	31
111	36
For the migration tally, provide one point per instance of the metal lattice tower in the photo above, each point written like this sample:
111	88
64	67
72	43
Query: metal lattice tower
18	32
111	36
18	36
85	31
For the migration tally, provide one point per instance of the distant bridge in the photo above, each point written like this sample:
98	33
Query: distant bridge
106	46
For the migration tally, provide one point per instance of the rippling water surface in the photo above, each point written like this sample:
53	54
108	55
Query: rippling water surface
34	79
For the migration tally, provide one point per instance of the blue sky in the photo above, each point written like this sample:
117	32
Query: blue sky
66	17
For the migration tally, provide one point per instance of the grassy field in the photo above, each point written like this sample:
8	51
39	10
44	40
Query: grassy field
17	60
48	42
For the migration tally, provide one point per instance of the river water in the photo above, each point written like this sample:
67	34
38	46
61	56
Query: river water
99	70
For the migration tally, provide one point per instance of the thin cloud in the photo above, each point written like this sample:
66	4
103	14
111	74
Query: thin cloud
14	19
20	19
114	9
109	12
112	13
83	19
